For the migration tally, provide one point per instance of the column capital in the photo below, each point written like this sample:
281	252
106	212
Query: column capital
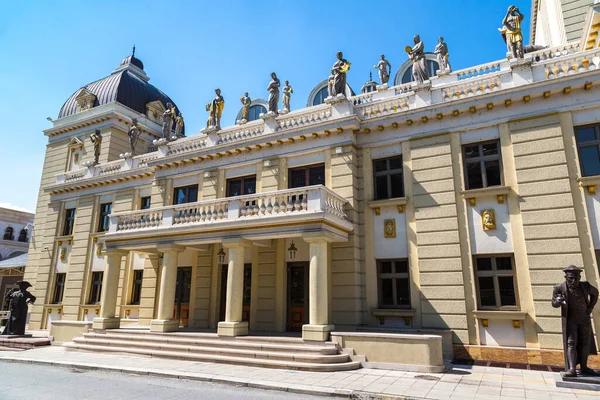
116	252
165	248
314	237
236	242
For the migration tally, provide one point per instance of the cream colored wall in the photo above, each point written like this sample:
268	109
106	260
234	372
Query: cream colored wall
200	317
264	317
149	289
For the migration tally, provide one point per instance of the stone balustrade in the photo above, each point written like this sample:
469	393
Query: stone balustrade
243	132
308	116
281	203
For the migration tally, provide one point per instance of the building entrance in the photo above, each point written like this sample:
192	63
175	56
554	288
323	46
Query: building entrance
297	302
182	295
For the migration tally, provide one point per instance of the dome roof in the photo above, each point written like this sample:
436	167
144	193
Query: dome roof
128	85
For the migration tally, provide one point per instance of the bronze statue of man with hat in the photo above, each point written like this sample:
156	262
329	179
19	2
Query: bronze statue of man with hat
19	301
576	300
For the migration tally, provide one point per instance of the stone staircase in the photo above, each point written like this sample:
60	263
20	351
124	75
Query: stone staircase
259	351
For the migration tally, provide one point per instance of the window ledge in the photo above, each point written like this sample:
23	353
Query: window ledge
590	183
499	191
398	201
500	314
392	312
66	238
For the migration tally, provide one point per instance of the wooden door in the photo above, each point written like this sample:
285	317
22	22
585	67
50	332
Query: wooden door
183	289
297	289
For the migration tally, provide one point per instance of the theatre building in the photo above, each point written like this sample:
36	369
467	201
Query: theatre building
443	210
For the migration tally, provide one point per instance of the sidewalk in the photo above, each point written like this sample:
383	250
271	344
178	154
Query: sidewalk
461	383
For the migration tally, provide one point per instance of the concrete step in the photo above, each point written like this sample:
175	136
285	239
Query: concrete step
214	341
23	342
290	355
204	357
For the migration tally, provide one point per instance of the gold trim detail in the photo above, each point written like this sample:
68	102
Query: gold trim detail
389	228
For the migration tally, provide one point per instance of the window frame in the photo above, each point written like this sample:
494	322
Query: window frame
388	174
261	110
9	233
96	285
136	286
319	98
193	188
243	180
104	216
495	273
592	143
59	287
307	169
482	159
144	200
23	236
393	276
69	221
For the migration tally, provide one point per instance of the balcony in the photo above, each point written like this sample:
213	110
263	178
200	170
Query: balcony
278	214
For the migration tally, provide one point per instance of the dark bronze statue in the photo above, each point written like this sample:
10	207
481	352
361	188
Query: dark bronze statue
576	300
18	300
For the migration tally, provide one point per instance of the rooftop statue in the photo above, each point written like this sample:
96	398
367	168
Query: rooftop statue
339	70
18	300
96	139
576	300
134	134
441	50
287	95
179	126
246	101
385	69
167	125
417	55
215	110
273	89
511	31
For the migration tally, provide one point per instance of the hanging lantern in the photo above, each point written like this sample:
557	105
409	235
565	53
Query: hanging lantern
292	251
221	255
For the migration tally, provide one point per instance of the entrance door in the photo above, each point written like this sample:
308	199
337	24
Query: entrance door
297	289
182	295
246	294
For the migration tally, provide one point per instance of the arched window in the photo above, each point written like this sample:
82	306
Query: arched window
320	96
432	68
23	235
9	233
255	111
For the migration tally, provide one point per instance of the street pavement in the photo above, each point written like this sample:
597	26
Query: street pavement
43	382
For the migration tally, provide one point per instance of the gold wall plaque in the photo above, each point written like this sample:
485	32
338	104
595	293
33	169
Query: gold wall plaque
389	228
99	248
488	220
63	254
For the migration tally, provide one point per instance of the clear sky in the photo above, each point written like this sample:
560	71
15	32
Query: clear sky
49	49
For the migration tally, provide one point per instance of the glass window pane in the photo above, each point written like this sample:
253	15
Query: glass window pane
484	264
396	163
249	185
486	292
507	291
472	151
320	97
380	165
407	77
316	175
401	267
474	179
298	178
492	172
586	134
386	267
397	185
402	292
490	148
381	188
590	160
387	292
504	263
234	187
145	203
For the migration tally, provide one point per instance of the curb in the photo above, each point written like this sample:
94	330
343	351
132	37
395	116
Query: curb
292	388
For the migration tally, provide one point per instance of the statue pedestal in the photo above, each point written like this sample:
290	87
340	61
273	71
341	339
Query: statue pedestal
580	382
385	86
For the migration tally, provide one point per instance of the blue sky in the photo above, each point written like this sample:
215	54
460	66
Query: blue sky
52	48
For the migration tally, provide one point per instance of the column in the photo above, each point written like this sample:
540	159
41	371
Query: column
164	321
318	293
110	287
233	324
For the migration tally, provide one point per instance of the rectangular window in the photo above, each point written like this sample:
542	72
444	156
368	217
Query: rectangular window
136	291
394	284
96	289
59	288
495	282
307	176
104	220
241	186
185	194
588	145
145	202
482	164
387	175
69	222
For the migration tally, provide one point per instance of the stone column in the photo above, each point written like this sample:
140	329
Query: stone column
110	286
233	324
318	292
164	321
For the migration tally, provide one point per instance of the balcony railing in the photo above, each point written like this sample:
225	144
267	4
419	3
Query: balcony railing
290	202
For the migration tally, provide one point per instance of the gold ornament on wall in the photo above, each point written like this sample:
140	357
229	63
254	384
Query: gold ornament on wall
488	220
63	254
389	228
99	248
